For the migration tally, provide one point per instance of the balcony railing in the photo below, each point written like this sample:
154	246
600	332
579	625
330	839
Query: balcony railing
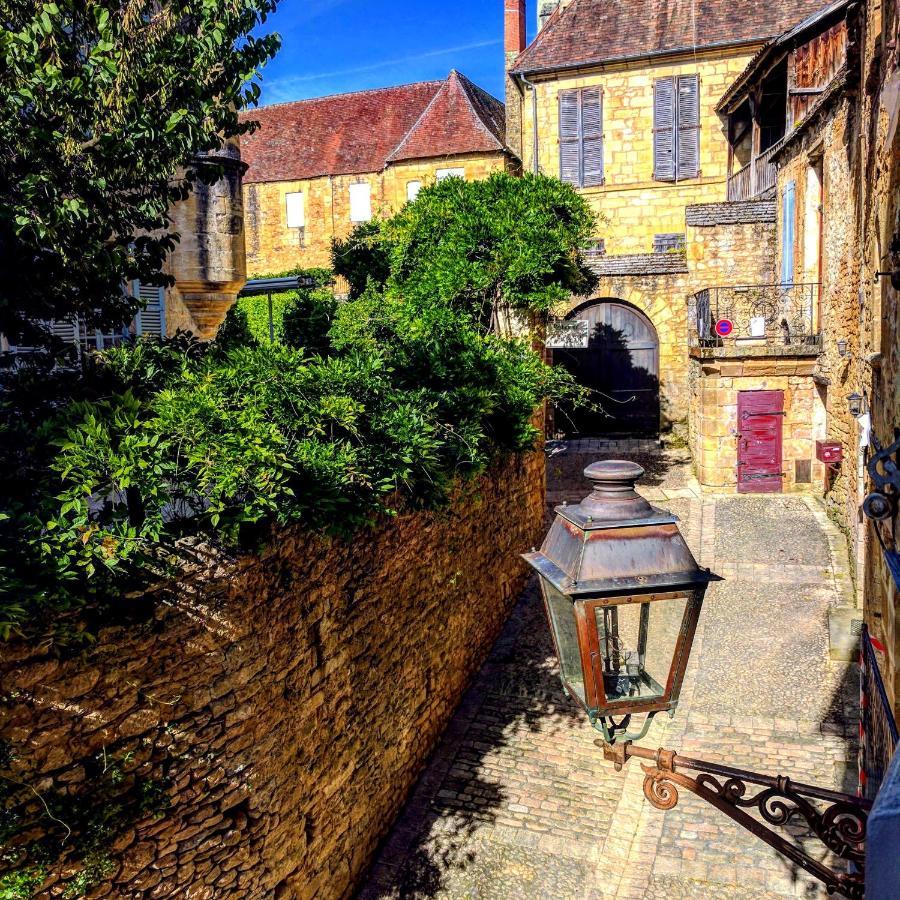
757	177
761	318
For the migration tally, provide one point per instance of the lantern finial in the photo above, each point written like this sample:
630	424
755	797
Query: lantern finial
614	498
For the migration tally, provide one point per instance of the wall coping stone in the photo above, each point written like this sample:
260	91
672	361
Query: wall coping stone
744	212
638	264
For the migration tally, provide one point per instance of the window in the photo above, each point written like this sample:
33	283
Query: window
788	218
294	205
581	137
676	128
412	190
441	174
666	243
360	203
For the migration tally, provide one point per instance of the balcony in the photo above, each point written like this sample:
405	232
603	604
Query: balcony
757	178
764	319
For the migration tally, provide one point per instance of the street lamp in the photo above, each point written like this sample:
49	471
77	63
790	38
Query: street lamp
623	594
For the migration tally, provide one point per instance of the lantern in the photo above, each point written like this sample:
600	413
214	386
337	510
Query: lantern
622	593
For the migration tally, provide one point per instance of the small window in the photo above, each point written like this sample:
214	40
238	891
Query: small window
450	173
294	205
360	203
598	247
668	243
412	190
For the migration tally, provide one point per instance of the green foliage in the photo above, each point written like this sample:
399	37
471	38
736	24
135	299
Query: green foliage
101	104
492	246
362	258
151	442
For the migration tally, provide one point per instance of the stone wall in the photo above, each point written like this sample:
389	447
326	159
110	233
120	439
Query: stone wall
286	702
715	385
879	336
273	247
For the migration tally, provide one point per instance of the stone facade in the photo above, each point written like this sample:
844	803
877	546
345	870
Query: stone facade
273	247
715	384
635	206
877	364
287	703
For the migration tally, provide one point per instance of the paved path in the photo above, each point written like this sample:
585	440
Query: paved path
517	802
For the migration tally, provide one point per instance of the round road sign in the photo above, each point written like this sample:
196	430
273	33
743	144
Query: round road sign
724	327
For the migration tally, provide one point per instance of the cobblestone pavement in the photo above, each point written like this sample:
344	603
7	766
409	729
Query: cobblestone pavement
517	802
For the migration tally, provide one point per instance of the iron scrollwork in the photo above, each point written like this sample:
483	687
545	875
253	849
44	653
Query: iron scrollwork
838	820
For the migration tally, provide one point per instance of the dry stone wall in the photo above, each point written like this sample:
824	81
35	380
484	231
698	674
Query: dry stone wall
284	703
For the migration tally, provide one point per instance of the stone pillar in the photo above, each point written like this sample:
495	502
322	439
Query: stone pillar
209	262
513	45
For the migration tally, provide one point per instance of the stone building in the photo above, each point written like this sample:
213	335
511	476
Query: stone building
620	100
318	167
764	394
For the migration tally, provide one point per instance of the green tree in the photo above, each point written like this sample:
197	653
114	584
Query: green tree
492	247
104	106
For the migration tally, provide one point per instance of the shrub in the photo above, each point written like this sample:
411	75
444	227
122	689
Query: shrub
161	439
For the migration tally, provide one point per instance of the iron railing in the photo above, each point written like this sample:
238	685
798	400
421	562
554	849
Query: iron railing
757	177
766	315
878	737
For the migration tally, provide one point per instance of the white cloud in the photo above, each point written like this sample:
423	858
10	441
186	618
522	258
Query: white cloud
283	89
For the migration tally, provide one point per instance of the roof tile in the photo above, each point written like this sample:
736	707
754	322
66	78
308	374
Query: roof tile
351	134
591	32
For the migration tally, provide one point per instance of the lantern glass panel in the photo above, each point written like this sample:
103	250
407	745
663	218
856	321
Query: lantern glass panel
637	647
561	612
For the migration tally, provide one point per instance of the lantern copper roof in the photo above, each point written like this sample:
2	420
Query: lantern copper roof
615	542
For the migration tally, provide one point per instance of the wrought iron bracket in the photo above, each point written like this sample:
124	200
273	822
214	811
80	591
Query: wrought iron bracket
838	820
613	730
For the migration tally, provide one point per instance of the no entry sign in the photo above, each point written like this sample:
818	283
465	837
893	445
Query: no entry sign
724	327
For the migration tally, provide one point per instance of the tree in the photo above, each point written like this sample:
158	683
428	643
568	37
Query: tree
104	107
493	246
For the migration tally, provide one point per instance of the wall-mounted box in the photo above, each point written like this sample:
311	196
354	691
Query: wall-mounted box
829	452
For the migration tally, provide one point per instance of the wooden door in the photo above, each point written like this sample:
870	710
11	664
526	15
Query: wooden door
760	426
620	366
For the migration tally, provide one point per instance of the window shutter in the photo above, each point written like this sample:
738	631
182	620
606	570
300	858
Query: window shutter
688	144
569	162
360	202
664	129
592	136
152	317
787	233
294	208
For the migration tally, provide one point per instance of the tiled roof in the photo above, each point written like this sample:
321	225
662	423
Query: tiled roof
591	32
351	134
462	118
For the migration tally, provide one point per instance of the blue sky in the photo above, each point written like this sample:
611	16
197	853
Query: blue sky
333	46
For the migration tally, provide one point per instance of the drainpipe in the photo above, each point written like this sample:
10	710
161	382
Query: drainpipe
534	150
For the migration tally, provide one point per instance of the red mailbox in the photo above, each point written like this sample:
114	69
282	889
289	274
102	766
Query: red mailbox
829	452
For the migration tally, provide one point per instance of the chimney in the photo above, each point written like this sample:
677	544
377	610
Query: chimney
513	29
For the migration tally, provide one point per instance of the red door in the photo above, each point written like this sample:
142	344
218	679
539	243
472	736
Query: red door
760	417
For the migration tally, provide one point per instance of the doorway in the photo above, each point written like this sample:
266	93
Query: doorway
619	366
760	429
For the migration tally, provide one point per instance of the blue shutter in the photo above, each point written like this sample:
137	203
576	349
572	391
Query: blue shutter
788	217
664	115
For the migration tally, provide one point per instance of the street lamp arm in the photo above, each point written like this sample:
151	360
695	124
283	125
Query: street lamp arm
840	825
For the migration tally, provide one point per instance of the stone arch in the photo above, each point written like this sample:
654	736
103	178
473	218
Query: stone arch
620	366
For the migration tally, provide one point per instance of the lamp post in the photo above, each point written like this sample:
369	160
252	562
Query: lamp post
623	594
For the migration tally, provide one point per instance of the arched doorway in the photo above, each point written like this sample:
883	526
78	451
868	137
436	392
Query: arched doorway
620	366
